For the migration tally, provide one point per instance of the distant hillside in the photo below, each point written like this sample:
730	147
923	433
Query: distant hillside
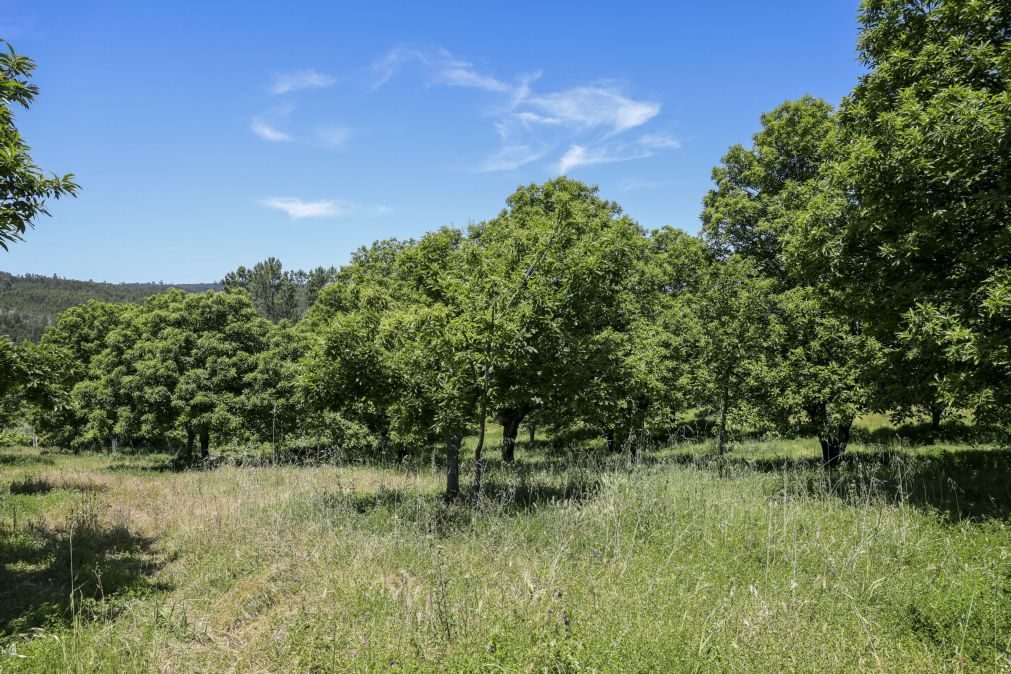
30	303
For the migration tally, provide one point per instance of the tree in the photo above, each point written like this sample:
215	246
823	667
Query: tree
79	332
760	191
557	279
818	381
738	334
24	188
667	333
273	291
395	350
223	335
30	376
272	405
523	311
919	242
277	294
166	373
764	195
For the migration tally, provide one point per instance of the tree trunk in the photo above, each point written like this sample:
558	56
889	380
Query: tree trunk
833	444
936	412
186	451
609	436
724	404
453	465
511	420
401	454
478	460
533	435
205	443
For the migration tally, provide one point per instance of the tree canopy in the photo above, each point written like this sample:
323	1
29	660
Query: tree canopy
24	187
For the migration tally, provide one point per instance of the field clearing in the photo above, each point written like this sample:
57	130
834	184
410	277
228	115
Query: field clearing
900	561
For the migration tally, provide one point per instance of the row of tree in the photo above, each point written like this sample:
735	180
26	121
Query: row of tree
849	260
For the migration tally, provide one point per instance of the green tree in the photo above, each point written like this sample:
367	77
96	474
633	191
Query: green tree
757	211
81	333
24	188
167	373
273	291
31	380
920	240
394	350
272	405
738	334
222	335
819	380
556	281
278	294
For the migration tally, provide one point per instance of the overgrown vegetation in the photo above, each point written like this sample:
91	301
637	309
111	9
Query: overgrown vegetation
897	561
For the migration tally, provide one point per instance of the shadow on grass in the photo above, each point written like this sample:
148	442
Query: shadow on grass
970	483
7	459
526	487
32	485
40	570
955	431
167	465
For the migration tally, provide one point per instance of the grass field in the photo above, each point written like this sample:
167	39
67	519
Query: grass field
573	561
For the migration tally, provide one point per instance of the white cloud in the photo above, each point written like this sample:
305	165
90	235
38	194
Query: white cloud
630	184
299	208
393	61
441	67
268	132
459	74
579	155
595	107
333	136
297	80
659	141
587	119
511	157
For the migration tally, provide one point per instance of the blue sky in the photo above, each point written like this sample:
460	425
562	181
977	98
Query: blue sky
209	135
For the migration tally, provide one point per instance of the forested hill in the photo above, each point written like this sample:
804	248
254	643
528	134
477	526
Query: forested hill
29	303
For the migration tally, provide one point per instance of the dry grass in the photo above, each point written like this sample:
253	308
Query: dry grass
557	568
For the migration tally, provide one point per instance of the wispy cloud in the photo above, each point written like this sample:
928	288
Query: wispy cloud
632	184
610	151
441	67
265	125
531	124
297	80
268	132
578	155
332	136
592	107
659	141
511	157
298	209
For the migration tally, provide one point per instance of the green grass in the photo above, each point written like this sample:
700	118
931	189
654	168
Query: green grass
572	561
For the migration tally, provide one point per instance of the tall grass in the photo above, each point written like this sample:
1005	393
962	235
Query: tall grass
568	562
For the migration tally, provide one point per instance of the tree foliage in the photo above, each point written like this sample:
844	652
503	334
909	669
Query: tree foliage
24	187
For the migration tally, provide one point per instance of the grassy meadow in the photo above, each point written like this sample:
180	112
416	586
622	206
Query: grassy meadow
571	561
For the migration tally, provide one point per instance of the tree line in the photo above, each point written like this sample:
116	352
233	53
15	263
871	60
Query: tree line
30	303
850	259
